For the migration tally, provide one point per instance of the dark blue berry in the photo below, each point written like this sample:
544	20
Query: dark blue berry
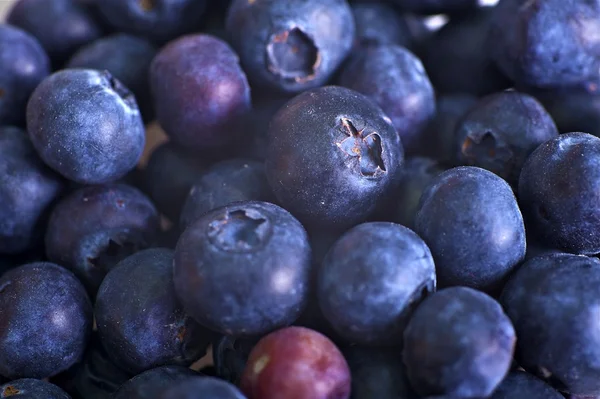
149	384
29	388
208	387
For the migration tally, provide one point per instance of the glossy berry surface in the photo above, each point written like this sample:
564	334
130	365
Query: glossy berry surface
127	58
395	79
209	387
333	155
354	287
86	125
77	25
501	131
243	269
377	373
140	320
475	243
296	362
291	45
45	321
157	20
149	384
539	44
95	227
226	182
556	191
460	343
200	92
27	190
23	65
552	303
29	388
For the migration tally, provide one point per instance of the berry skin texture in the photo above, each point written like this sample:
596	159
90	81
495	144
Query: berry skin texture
156	20
296	363
226	182
208	387
23	65
127	58
435	6
200	92
553	303
546	44
141	323
95	227
30	388
86	125
501	131
333	155
149	383
243	269
557	191
27	190
379	23
475	242
61	26
395	79
356	288
459	343
519	384
291	45
45	321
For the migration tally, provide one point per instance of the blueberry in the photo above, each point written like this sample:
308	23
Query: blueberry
157	20
377	373
95	227
356	288
436	6
45	321
470	220
61	26
501	131
243	269
291	45
552	302
127	58
333	155
86	125
200	92
168	177
230	355
546	43
141	323
520	385
296	362
416	176
208	387
557	191
226	182
149	383
450	110
97	377
458	342
23	65
456	57
29	388
395	79
379	23
27	189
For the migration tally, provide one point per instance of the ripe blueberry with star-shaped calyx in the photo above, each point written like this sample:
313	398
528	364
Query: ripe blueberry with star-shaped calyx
332	155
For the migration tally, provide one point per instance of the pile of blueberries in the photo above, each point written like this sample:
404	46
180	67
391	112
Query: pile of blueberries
355	199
